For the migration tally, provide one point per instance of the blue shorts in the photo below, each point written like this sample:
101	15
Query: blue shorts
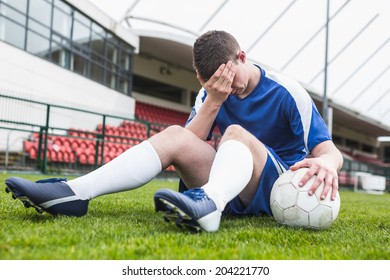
260	203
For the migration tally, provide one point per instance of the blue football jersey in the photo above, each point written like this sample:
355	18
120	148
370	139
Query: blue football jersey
279	112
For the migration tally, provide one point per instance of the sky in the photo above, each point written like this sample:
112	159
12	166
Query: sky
289	36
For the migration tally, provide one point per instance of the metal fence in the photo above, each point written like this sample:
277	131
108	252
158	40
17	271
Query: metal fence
27	123
352	167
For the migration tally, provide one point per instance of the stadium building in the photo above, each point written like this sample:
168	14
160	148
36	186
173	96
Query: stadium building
77	88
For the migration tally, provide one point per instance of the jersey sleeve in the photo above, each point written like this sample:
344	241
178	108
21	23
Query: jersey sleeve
319	132
305	120
198	103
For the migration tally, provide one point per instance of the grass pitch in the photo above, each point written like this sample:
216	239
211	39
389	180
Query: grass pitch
125	226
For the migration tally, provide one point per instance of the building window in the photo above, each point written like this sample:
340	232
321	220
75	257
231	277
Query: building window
62	22
12	23
19	5
352	144
194	94
40	11
157	89
54	30
37	44
386	154
12	32
367	148
338	140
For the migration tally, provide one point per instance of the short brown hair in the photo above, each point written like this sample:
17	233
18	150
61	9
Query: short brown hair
212	49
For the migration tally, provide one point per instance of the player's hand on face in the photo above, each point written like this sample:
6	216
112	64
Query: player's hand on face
219	86
324	173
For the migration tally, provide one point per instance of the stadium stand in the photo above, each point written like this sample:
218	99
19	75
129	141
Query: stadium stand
159	115
80	146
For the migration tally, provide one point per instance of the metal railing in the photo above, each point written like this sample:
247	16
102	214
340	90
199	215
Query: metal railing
48	120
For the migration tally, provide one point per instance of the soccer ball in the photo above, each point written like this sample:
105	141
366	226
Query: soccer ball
291	204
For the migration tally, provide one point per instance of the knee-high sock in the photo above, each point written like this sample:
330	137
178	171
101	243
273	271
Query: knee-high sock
130	170
230	172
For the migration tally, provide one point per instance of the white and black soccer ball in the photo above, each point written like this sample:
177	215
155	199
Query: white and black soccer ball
291	204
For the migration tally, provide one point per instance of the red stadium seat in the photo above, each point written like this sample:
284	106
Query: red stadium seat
33	153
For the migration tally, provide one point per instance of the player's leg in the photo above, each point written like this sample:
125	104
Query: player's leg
223	189
191	156
236	171
140	164
132	169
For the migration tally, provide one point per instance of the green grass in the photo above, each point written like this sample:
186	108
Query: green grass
125	226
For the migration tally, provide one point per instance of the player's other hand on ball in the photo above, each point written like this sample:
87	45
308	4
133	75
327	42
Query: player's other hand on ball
323	173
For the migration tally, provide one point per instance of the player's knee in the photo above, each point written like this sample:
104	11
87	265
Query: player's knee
174	130
179	134
235	131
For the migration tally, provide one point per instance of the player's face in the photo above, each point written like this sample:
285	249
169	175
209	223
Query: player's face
240	81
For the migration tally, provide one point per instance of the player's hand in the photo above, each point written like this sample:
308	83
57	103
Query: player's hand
219	86
325	173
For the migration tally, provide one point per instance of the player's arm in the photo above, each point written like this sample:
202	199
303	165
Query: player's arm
326	162
218	88
203	121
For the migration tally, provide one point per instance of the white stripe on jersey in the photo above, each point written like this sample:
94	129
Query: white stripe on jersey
302	100
198	103
199	99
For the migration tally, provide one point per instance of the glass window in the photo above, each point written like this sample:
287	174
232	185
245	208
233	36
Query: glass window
12	32
40	10
387	154
96	73
62	6
98	32
60	55
13	15
39	28
98	46
81	50
112	52
58	32
109	79
110	66
82	19
61	40
194	94
352	143
123	85
62	22
80	65
157	89
20	5
98	59
124	60
37	44
113	40
81	33
367	148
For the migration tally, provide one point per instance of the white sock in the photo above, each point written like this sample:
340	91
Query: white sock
132	169
230	173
